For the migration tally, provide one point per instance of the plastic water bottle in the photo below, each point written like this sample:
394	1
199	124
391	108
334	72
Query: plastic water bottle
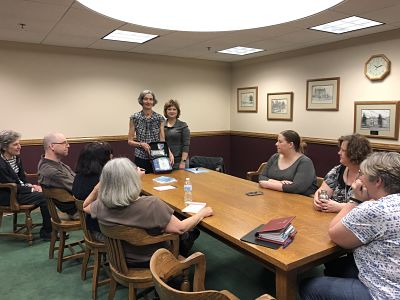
188	191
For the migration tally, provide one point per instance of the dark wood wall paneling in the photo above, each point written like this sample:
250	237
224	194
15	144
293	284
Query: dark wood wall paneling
242	152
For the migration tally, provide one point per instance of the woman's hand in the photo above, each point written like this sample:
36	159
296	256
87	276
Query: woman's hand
331	206
171	158
317	202
145	146
36	188
286	182
182	165
360	191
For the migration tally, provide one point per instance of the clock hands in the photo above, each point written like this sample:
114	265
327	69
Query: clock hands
376	67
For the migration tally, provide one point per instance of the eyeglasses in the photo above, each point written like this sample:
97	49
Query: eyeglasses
61	143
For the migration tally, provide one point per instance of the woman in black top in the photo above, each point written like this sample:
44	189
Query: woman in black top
11	171
91	161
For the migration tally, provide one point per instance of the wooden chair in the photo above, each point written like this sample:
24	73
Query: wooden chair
20	230
164	266
92	246
133	278
61	227
253	175
320	180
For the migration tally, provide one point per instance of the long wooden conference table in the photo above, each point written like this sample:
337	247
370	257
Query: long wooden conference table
236	214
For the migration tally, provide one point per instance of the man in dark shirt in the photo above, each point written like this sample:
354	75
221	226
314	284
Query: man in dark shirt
53	173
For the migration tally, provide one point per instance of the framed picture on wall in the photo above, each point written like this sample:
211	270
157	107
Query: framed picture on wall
323	94
377	119
247	99
280	106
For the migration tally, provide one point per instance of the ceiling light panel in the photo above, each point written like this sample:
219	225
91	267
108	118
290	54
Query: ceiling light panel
129	36
346	25
208	15
240	50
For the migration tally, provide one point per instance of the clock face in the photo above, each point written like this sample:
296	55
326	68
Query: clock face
377	67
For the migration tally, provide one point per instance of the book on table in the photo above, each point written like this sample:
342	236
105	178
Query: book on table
277	230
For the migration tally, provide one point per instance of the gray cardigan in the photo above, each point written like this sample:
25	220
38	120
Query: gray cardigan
301	173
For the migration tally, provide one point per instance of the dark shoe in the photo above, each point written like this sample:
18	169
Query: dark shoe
46	236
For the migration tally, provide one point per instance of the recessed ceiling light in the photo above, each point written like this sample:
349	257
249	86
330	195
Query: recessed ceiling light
240	50
208	15
346	25
129	36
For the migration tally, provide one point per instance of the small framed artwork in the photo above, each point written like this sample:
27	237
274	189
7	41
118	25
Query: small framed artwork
377	119
280	106
247	99
323	94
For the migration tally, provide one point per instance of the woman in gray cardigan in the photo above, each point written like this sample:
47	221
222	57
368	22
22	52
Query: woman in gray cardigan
289	170
177	135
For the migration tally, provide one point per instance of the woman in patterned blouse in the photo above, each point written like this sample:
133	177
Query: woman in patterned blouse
146	126
353	149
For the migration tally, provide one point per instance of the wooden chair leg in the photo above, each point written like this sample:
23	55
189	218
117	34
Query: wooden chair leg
29	224
85	263
113	287
96	271
185	285
15	222
52	243
132	292
61	246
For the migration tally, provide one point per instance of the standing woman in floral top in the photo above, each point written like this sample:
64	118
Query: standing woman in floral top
353	149
145	126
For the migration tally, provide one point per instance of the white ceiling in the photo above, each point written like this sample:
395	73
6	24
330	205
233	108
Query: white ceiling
68	23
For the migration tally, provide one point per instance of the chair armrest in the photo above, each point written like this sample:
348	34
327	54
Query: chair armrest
229	295
13	194
251	174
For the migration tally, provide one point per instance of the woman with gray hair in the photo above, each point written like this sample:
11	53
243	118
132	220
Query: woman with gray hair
146	126
369	224
119	202
11	171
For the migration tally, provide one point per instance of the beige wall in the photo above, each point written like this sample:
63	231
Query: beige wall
291	74
85	93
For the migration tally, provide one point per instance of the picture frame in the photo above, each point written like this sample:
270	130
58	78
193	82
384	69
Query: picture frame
377	119
280	106
247	99
323	94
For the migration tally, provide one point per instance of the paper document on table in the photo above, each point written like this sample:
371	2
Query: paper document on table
194	207
164	187
164	179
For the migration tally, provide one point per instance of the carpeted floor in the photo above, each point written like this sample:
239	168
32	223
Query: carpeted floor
28	273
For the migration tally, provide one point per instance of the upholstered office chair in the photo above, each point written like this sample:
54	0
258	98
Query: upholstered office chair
133	278
253	175
20	230
97	248
164	266
212	163
60	228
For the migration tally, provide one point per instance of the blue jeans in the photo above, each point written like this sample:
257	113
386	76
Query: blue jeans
344	286
324	288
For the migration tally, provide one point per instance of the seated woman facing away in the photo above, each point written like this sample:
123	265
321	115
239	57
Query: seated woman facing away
289	170
118	202
91	161
372	230
353	149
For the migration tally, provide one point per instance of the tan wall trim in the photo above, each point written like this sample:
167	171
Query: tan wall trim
269	136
